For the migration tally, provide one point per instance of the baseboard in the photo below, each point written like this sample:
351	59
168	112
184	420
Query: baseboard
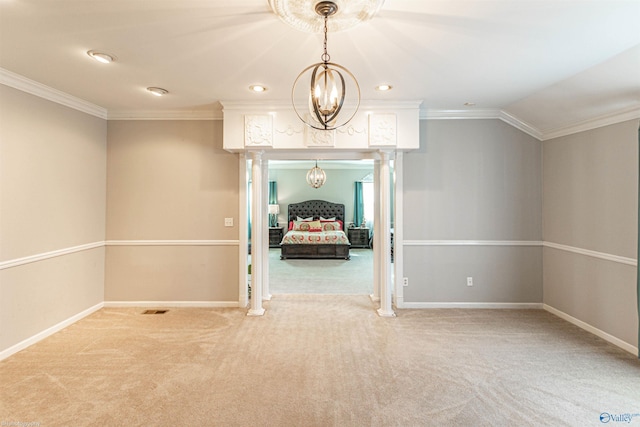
48	332
474	305
176	304
592	329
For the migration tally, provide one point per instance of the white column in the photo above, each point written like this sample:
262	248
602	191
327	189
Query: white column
385	309
243	220
377	260
257	231
266	293
398	232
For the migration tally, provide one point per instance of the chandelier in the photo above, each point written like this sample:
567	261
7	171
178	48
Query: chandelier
326	87
316	177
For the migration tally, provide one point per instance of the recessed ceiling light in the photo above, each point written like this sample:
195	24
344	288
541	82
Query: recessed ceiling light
258	88
105	58
384	88
157	91
469	104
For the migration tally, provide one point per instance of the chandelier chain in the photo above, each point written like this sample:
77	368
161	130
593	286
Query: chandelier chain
325	56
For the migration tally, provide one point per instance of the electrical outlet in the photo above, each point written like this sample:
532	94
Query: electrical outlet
469	281
405	281
228	222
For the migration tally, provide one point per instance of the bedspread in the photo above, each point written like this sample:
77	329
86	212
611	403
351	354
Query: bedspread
333	237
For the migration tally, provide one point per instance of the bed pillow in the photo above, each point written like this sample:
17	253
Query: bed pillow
304	219
290	225
331	226
315	226
301	225
328	219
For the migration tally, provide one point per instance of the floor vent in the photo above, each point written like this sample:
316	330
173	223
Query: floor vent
154	311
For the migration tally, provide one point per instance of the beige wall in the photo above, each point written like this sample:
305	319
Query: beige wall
52	197
473	180
591	202
171	181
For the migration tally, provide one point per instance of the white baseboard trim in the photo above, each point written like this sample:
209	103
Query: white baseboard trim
48	332
592	329
482	305
175	304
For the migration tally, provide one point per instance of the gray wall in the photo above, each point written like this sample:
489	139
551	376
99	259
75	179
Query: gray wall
591	202
473	180
52	198
339	188
171	181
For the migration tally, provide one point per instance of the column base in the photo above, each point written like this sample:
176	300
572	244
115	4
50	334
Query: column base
255	312
386	313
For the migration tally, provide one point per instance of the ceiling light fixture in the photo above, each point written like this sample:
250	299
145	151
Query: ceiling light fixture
157	91
102	57
384	88
327	86
258	88
316	177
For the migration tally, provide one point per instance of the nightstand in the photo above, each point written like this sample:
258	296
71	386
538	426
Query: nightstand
359	237
275	236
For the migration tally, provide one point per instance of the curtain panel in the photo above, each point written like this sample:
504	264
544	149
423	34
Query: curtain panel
358	204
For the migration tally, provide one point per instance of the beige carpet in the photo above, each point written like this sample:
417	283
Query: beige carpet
319	361
322	276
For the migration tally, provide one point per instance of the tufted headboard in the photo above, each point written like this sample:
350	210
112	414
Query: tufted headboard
316	209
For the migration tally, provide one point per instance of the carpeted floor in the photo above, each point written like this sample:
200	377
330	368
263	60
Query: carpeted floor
320	361
322	276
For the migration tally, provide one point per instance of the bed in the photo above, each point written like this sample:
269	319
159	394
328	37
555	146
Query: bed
327	241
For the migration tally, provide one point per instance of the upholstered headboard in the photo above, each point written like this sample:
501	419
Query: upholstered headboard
316	209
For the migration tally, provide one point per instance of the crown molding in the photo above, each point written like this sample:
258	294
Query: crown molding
165	115
32	87
593	123
480	114
470	114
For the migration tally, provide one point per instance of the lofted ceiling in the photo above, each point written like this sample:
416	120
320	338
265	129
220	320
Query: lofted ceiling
547	64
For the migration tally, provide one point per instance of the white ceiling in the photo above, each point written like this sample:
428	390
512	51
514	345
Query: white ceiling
549	64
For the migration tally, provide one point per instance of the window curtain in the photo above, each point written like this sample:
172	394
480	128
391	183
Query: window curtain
358	204
273	200
638	254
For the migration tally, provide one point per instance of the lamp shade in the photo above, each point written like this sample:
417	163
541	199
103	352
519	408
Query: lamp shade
274	209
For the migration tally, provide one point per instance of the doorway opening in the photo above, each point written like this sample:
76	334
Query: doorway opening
287	185
254	209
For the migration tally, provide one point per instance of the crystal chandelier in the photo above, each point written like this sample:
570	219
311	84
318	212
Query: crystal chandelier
316	177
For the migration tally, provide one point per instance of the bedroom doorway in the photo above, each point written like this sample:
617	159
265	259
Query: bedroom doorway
255	170
287	185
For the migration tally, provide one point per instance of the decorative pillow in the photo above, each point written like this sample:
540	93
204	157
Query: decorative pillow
315	226
301	225
290	225
304	219
328	219
331	226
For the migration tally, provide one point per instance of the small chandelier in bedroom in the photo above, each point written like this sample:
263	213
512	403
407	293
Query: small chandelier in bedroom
316	177
320	91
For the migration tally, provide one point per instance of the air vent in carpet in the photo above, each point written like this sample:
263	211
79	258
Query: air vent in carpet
154	311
